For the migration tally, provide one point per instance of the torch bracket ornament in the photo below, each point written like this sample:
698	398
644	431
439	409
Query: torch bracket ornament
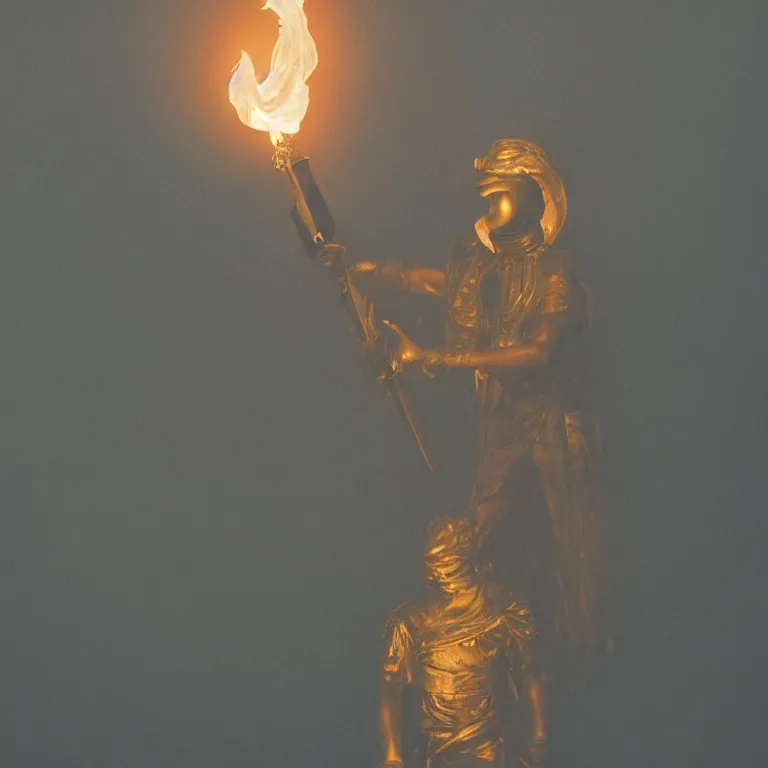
283	155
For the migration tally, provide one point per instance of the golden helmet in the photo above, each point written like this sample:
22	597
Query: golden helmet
509	158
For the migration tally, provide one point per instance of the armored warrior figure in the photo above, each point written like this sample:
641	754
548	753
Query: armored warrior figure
462	647
518	316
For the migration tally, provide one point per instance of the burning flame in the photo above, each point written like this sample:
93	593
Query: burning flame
277	104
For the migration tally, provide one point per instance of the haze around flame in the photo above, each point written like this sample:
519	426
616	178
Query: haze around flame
279	103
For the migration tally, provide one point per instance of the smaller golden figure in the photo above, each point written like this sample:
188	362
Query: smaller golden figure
466	646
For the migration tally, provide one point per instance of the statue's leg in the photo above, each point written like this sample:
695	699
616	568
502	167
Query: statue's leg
577	618
587	512
550	459
499	451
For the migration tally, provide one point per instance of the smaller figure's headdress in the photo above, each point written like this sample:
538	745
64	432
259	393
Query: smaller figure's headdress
510	158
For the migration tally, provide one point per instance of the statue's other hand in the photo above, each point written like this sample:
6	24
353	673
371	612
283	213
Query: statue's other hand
434	363
406	353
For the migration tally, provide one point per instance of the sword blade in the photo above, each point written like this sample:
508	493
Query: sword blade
403	406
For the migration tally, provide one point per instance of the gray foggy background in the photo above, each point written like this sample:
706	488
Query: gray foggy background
209	508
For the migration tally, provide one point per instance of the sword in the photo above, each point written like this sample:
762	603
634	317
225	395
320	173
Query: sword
316	228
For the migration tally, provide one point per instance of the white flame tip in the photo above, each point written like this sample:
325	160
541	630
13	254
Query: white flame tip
278	103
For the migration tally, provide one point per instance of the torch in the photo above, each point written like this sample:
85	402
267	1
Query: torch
277	105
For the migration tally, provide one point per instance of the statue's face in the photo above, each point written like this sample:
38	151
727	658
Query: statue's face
513	161
510	197
503	207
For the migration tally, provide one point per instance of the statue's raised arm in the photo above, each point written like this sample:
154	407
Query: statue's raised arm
408	277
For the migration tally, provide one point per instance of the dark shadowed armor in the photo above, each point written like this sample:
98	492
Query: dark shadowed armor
519	318
498	300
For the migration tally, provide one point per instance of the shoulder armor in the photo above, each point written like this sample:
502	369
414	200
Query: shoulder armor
516	614
554	260
462	247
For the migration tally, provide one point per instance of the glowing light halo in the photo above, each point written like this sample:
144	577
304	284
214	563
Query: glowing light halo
278	104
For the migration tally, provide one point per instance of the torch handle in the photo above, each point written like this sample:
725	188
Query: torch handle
316	228
310	214
301	203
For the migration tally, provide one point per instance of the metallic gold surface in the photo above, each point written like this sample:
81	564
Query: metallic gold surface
515	157
518	315
283	152
460	646
407	352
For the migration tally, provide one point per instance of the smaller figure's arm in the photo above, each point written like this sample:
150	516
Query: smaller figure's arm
525	673
534	692
390	721
395	672
535	689
408	277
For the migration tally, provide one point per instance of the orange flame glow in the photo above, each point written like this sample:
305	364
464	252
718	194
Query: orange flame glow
279	103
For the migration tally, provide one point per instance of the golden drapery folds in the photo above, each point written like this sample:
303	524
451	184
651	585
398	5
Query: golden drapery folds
458	647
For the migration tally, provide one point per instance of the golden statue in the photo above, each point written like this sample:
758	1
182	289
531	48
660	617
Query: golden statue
518	316
465	643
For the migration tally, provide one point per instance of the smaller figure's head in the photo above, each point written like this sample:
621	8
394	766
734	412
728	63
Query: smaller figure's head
449	559
523	189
